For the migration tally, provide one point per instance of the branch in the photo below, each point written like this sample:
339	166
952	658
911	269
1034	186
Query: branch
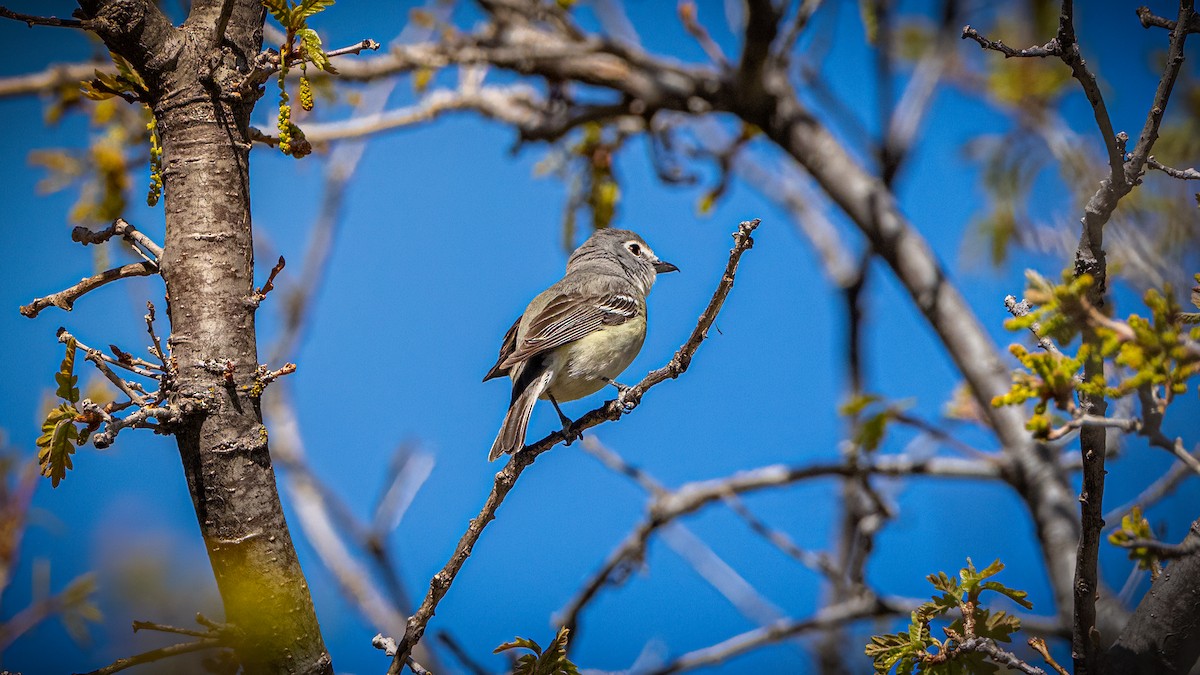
159	654
515	104
988	646
612	410
1146	140
1163	550
50	79
1149	19
65	299
272	59
1051	48
833	616
691	497
1020	309
32	20
1181	174
120	227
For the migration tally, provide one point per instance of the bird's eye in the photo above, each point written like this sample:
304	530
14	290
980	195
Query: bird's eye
634	248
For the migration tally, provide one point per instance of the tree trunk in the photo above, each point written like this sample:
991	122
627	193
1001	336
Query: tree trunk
197	75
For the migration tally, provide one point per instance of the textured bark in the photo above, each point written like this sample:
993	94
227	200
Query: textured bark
208	267
1163	636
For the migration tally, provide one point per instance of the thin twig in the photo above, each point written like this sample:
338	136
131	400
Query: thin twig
157	348
1039	645
1020	309
121	228
1151	20
1163	550
1181	174
64	335
687	16
32	20
691	497
612	410
95	357
833	616
50	79
65	299
158	655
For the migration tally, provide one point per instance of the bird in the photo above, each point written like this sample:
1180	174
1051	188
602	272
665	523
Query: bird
578	335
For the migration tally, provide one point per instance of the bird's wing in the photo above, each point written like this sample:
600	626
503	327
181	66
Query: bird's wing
506	348
567	318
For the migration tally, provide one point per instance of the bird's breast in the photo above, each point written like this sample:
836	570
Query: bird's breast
581	366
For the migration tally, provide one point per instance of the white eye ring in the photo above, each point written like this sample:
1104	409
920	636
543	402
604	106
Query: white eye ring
634	248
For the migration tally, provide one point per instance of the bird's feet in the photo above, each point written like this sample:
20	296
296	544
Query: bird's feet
626	397
569	436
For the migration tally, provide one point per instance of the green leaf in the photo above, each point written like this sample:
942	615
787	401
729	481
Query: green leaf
519	643
552	661
66	378
310	44
308	8
281	10
56	444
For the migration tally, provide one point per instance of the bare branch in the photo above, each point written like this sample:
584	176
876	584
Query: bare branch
834	616
1019	309
50	79
1039	645
996	654
1181	174
1151	20
32	20
158	655
518	105
687	15
65	299
667	506
121	228
1051	48
1163	550
612	410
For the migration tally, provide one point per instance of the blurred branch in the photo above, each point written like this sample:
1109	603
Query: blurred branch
50	79
612	410
833	616
668	506
1160	488
159	654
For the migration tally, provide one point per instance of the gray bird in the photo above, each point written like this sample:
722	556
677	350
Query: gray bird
579	334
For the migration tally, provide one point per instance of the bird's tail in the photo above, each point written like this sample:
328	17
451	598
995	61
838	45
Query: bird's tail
512	433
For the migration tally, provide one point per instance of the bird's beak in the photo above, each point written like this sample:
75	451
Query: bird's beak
662	266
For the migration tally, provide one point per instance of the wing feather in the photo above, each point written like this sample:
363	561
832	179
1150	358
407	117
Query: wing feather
568	318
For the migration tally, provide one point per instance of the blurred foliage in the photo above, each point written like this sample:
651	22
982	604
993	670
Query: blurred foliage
552	661
586	165
870	416
1134	526
1154	236
1157	351
916	650
304	45
101	171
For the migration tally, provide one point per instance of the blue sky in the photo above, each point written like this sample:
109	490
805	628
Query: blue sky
445	236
